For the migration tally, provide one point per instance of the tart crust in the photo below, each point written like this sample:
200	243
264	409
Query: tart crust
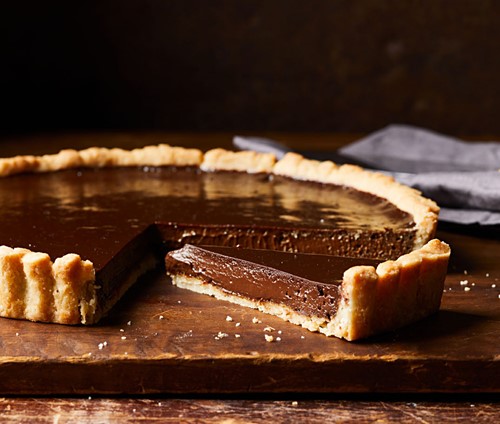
64	291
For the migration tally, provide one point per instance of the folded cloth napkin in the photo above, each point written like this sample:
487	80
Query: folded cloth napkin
463	178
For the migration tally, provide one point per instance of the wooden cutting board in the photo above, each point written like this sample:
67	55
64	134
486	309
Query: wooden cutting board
164	339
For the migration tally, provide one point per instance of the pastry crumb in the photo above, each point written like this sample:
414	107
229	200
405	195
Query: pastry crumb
280	332
237	324
268	329
278	339
122	330
256	320
129	323
466	289
269	338
464	282
465	272
493	286
237	336
229	318
221	335
487	274
302	337
295	403
124	337
17	334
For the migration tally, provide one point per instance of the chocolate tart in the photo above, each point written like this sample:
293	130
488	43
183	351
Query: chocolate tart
79	227
345	297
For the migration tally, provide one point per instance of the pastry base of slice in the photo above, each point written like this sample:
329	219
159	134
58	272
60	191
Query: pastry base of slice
370	300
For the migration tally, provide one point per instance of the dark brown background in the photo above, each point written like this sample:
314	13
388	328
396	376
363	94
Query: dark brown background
256	65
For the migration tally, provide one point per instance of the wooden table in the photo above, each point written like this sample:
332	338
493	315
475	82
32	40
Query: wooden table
476	255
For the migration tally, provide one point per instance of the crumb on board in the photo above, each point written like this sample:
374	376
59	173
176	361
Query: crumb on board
221	335
268	329
464	282
229	318
466	289
269	338
237	324
237	336
129	323
256	320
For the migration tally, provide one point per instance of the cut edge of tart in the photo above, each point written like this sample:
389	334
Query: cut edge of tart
65	290
370	299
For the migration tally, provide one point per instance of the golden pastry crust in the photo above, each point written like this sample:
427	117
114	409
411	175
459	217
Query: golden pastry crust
245	161
160	155
394	294
35	288
424	211
372	301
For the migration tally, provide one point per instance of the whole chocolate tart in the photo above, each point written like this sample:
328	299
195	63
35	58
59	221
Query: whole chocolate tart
79	227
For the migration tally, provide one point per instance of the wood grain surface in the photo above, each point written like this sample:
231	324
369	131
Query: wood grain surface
162	339
233	411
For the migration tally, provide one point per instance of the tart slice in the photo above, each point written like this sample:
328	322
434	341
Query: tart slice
350	298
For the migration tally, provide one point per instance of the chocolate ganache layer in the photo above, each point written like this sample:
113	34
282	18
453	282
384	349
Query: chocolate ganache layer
99	212
307	283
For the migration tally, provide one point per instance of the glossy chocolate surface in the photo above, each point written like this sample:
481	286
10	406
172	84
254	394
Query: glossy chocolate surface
98	213
307	283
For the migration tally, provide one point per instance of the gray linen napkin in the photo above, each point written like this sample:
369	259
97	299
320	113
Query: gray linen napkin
461	177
